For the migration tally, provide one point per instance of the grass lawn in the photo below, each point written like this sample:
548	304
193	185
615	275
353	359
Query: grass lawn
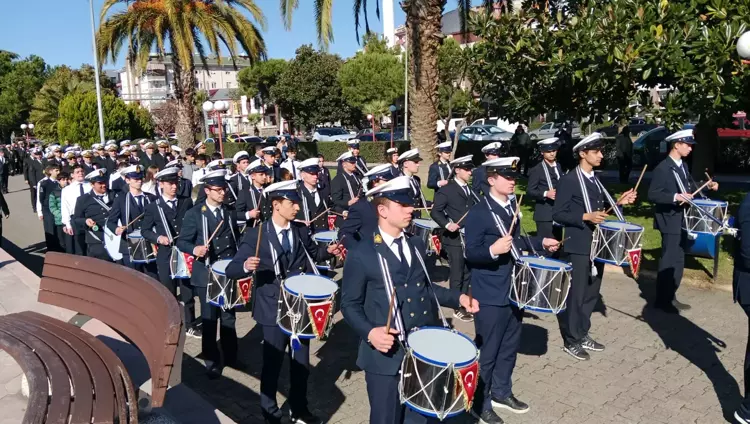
641	213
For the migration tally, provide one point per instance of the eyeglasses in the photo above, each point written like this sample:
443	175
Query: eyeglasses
217	189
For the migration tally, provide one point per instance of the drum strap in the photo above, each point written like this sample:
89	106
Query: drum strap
390	291
432	288
164	222
585	194
239	177
102	204
349	186
500	227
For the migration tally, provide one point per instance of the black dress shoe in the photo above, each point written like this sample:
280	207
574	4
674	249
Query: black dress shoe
512	404
680	306
667	307
577	351
271	419
490	417
303	417
213	371
590	344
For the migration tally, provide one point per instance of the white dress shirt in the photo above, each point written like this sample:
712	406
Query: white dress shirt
287	164
281	236
68	198
113	177
198	174
392	243
39	197
504	205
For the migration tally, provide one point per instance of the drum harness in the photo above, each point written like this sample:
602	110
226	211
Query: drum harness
206	235
549	179
587	206
723	226
107	208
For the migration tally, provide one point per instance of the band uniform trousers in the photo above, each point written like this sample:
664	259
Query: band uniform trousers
746	399
275	343
498	339
187	295
547	229
575	320
460	276
671	266
211	317
32	191
75	244
385	402
97	250
186	289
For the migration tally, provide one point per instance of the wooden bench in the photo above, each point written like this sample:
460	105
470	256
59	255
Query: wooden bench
138	307
73	377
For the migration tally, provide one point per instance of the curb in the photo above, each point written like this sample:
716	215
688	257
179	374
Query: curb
651	275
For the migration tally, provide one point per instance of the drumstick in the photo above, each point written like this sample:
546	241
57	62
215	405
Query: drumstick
515	215
390	311
640	178
136	219
336	213
257	243
462	218
560	243
320	214
698	191
215	231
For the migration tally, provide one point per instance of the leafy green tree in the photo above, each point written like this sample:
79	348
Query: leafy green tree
374	74
378	109
78	120
19	81
258	80
187	27
141	122
308	91
46	105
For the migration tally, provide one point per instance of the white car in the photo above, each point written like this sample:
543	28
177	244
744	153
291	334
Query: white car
452	124
550	128
332	134
500	123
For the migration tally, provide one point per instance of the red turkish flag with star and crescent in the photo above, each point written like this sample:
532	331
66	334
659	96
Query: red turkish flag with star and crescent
634	256
331	222
244	285
319	313
436	243
467	382
189	262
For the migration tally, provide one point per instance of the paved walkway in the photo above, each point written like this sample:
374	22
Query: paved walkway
657	368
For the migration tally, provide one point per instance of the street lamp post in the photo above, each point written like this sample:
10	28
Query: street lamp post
371	118
743	47
393	109
218	106
27	128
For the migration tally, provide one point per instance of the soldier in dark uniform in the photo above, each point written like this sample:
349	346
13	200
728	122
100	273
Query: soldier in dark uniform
671	184
199	224
127	214
346	187
250	201
741	290
274	170
391	158
91	213
240	181
324	178
362	218
479	182
33	172
88	164
69	162
543	179
409	163
218	164
360	165
111	162
161	226
452	203
366	298
148	158
100	156
312	202
295	251
46	187
440	170
162	156
579	206
184	186
490	252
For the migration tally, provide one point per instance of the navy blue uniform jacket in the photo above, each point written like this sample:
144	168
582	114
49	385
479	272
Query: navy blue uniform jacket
361	221
741	277
153	226
438	171
365	304
538	185
569	210
668	213
118	214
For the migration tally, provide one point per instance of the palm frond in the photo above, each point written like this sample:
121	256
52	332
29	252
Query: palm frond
287	10
324	22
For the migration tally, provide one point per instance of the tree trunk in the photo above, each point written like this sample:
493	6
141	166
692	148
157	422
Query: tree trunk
423	28
184	90
704	151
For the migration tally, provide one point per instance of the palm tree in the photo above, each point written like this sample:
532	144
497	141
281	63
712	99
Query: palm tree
178	28
423	29
45	108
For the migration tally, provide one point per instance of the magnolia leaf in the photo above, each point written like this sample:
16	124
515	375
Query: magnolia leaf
646	73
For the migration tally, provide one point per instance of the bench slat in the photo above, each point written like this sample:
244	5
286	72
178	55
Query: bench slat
36	375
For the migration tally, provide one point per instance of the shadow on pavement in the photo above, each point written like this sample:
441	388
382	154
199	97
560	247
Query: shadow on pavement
32	257
694	344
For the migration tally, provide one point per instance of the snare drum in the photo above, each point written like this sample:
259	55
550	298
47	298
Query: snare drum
439	372
327	237
701	232
540	284
180	265
140	250
423	228
222	291
614	239
306	307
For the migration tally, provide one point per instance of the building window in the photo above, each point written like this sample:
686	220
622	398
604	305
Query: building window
197	85
229	85
227	72
213	85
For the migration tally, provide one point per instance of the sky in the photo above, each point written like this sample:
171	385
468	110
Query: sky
59	31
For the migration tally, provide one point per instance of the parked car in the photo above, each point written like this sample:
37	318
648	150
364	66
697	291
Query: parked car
484	133
452	124
332	134
639	127
236	136
609	130
249	139
550	128
650	147
500	123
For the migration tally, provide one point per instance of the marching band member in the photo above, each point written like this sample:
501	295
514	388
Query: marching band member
161	226
285	250
274	171
479	182
33	173
162	155
366	294
291	163
671	182
324	178
88	164
128	209
543	179
391	158
409	163
240	180
451	204
250	202
360	164
362	218
116	181
440	170
69	161
214	165
312	203
91	212
184	185
579	206
741	290
201	160
75	238
199	224
111	162
491	251
346	187
147	157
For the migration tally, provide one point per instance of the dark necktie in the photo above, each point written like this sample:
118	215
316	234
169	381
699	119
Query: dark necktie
400	244
81	188
466	190
139	201
217	214
173	204
593	181
286	246
101	198
294	171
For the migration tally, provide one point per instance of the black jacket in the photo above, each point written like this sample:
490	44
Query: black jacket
538	185
33	171
309	210
438	171
668	214
451	205
341	193
153	226
87	207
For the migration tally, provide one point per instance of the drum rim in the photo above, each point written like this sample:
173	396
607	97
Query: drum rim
624	264
135	234
456	365
568	266
710	202
635	230
416	221
334	234
222	273
302	336
283	285
431	414
536	309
